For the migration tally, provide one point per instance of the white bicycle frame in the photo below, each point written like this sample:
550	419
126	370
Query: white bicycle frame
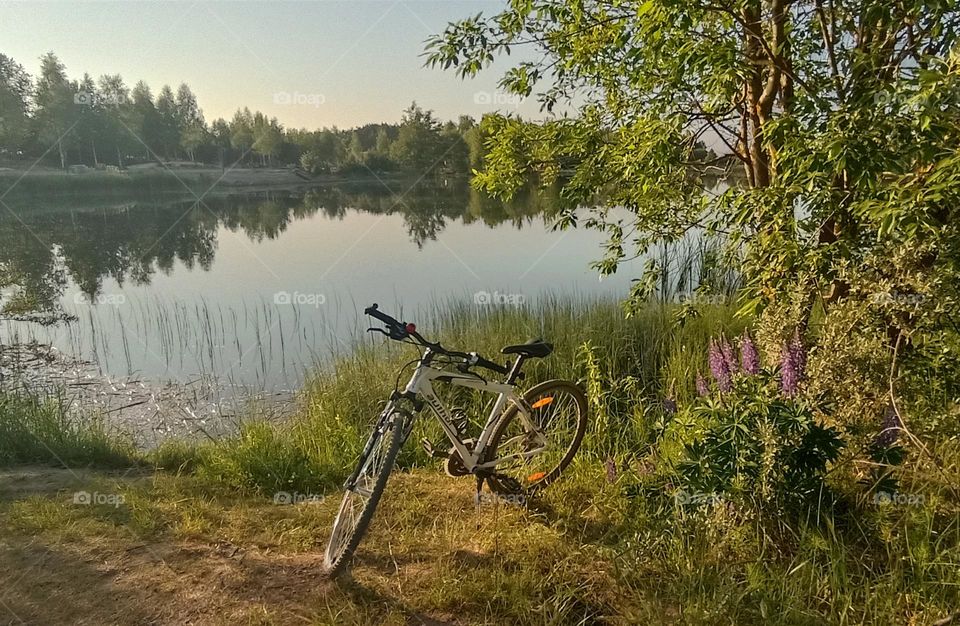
421	386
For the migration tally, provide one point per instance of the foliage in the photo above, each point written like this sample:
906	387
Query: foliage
832	110
104	122
754	443
841	117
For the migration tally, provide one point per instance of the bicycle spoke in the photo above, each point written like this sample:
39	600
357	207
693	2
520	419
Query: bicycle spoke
362	492
547	437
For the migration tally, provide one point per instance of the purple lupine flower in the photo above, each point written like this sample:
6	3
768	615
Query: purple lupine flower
702	388
891	428
749	357
719	367
670	406
611	466
726	349
799	353
788	372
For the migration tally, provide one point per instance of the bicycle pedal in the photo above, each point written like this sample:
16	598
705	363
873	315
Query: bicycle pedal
505	485
432	451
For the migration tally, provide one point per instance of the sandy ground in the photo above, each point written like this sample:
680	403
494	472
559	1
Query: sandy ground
147	411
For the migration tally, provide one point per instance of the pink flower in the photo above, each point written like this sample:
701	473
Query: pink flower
719	367
749	357
702	388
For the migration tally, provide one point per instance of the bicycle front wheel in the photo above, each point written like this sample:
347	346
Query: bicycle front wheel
536	447
363	489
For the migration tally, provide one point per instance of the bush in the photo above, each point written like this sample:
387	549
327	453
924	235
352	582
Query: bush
753	442
754	435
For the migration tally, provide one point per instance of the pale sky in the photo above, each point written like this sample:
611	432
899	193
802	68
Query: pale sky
310	63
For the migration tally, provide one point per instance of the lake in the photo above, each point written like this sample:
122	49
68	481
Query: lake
259	287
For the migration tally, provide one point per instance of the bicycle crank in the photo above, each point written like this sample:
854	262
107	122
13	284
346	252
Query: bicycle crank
454	466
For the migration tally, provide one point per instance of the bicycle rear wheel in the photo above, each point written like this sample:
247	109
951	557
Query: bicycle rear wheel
363	489
556	426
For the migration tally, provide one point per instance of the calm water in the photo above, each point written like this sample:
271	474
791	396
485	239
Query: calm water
257	287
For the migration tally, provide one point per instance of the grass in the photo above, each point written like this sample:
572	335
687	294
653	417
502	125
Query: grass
634	361
586	552
201	536
36	429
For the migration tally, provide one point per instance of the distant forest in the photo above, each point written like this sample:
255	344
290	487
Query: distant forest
104	122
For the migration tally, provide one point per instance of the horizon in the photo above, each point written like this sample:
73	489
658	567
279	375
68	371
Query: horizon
320	66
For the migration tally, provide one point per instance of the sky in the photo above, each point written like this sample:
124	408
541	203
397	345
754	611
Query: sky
310	63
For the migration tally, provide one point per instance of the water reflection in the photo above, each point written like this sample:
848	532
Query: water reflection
44	248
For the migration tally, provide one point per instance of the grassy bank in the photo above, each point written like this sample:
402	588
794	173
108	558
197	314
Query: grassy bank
42	430
632	363
26	185
611	543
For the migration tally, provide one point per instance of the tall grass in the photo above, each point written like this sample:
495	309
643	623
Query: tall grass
42	430
629	361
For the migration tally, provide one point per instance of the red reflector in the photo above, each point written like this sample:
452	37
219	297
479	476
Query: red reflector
411	328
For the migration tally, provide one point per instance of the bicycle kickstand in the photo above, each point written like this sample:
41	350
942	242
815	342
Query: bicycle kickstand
479	497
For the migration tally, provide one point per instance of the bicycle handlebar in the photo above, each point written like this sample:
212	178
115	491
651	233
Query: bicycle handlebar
400	330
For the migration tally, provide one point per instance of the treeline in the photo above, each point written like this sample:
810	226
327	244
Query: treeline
105	122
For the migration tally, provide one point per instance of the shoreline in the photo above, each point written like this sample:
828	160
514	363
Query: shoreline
154	178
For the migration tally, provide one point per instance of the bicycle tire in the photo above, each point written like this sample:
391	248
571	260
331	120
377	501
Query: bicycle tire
503	423
335	564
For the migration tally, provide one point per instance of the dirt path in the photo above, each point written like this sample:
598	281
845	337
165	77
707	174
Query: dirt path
247	561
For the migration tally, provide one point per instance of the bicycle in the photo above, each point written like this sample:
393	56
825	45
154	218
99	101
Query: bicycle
540	431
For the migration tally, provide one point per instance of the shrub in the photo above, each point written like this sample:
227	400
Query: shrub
754	435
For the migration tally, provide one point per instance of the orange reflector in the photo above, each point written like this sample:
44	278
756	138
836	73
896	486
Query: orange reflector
542	402
532	478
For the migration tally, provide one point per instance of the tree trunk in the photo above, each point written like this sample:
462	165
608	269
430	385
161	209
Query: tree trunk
753	34
63	157
93	148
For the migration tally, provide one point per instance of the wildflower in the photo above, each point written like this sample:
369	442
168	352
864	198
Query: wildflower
749	357
726	349
891	428
788	371
799	353
611	466
670	406
702	388
719	367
